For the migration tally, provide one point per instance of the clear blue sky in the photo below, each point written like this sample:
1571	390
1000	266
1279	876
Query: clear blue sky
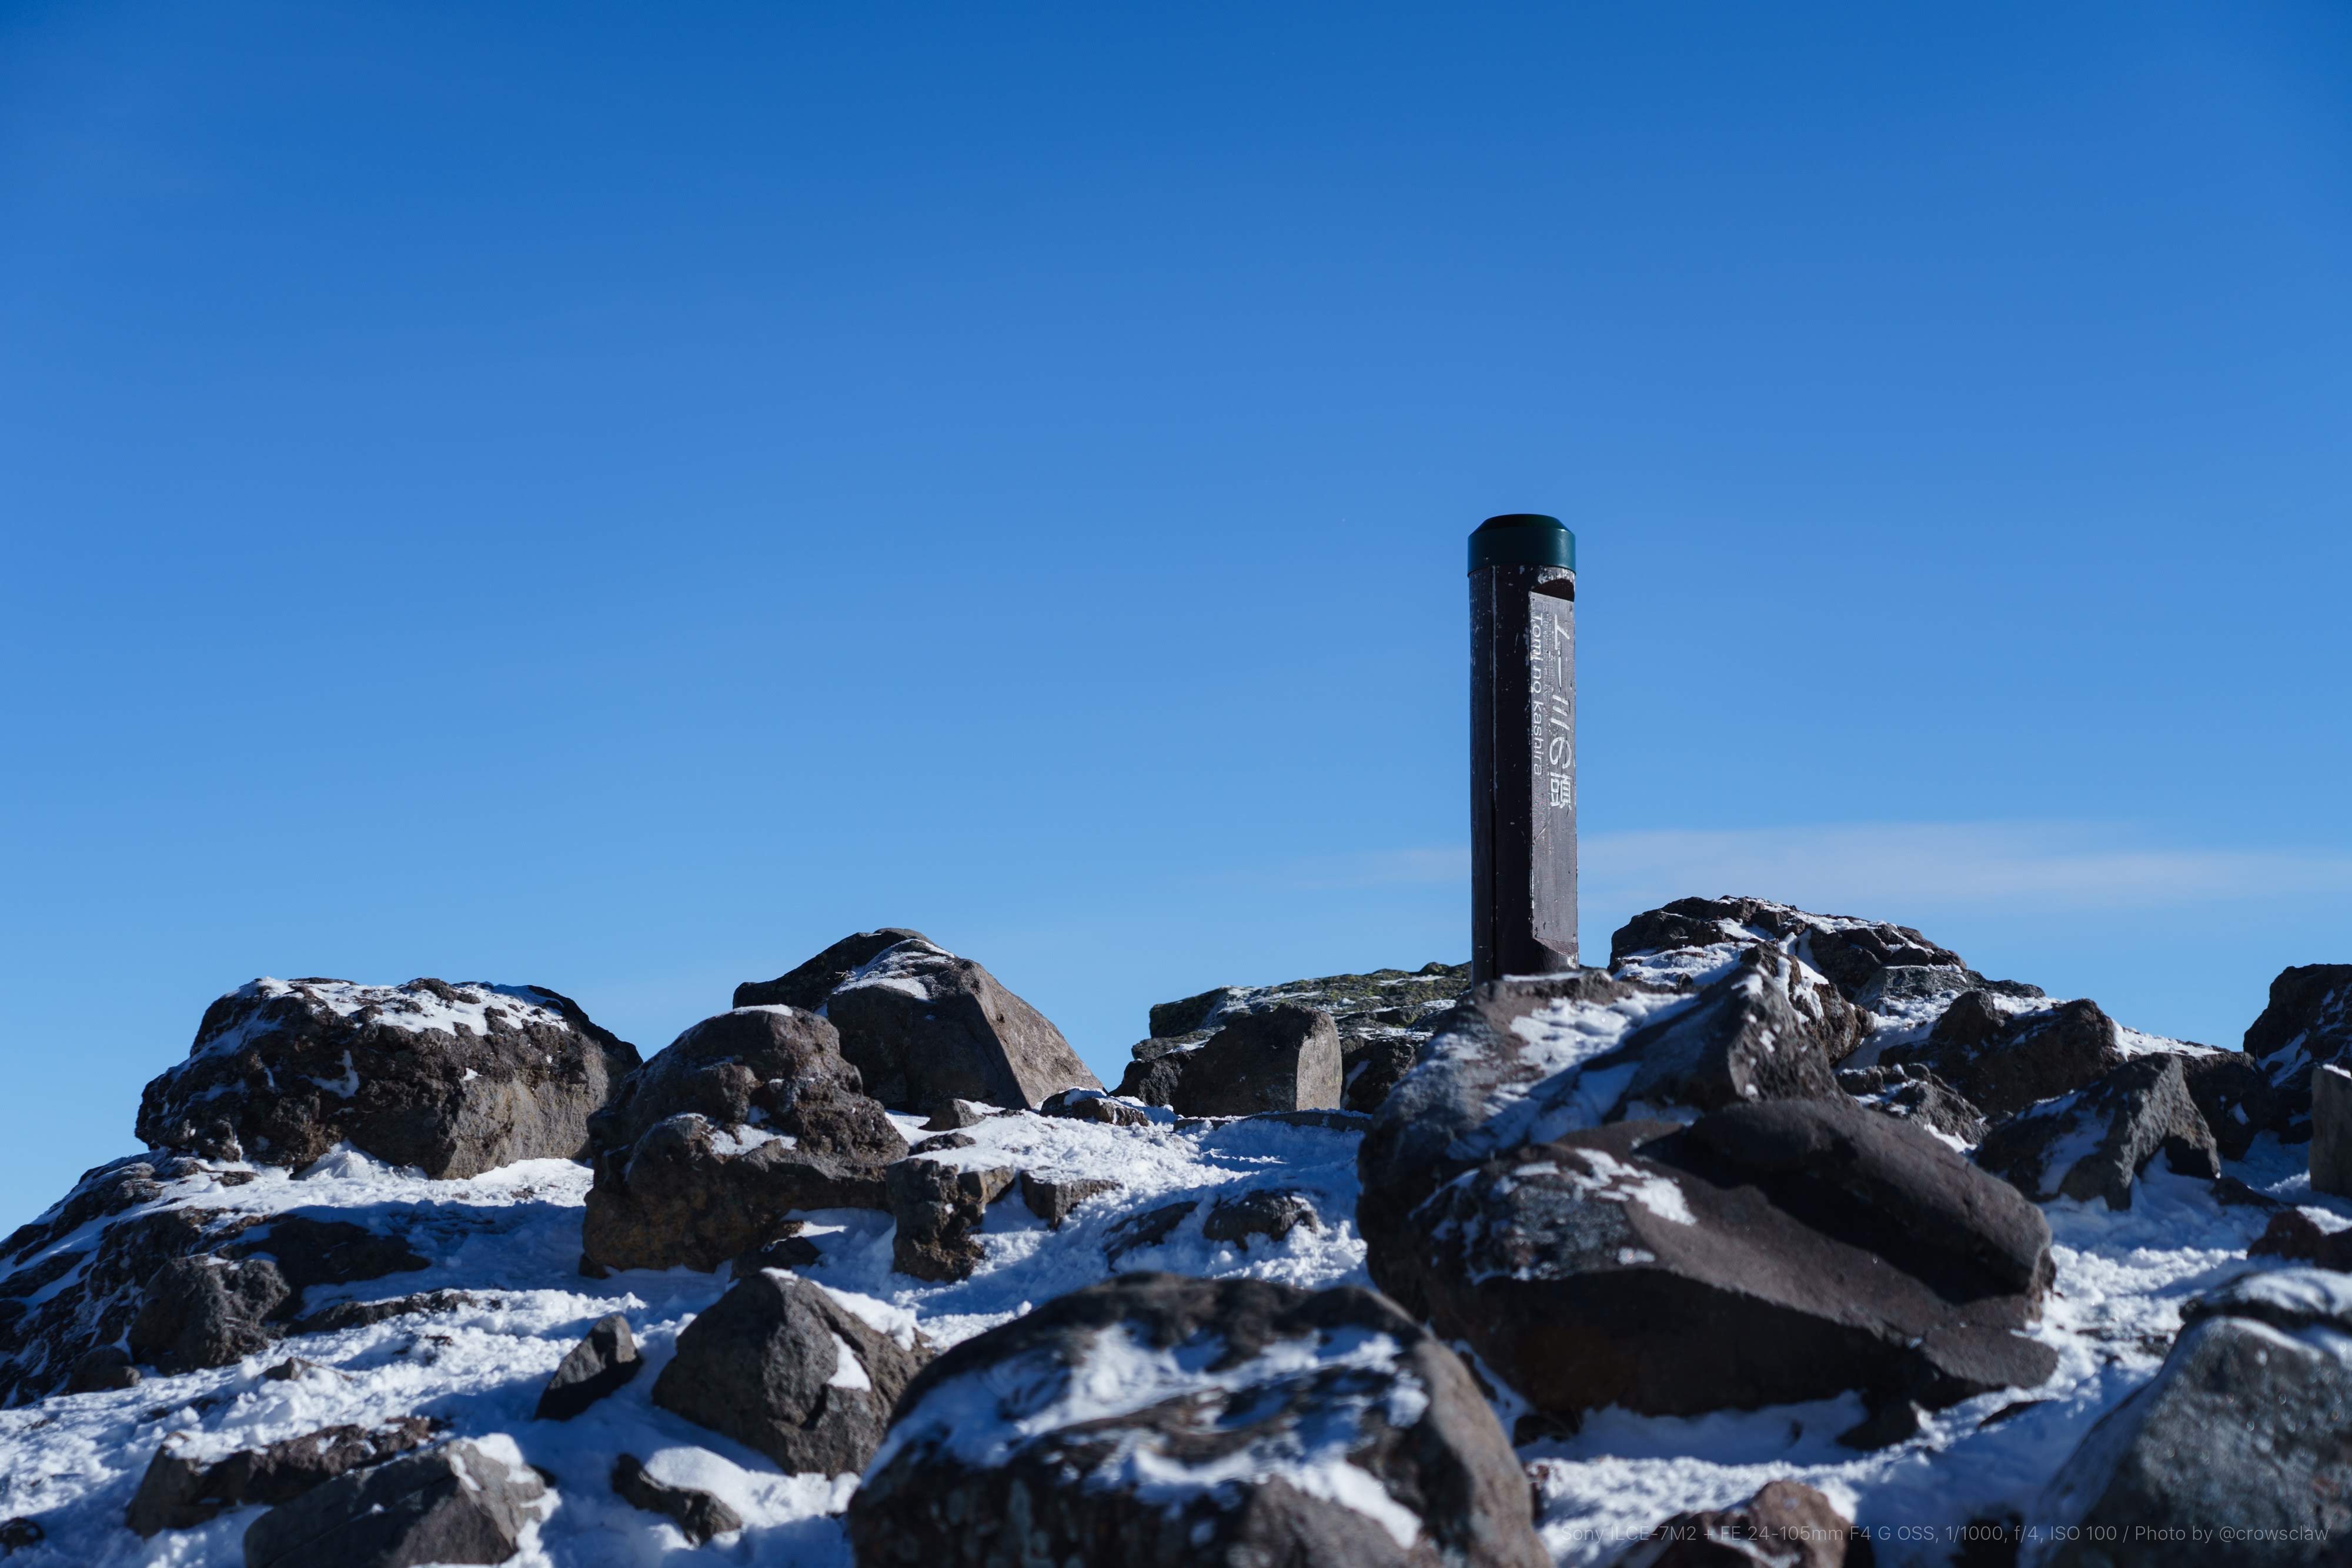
615	497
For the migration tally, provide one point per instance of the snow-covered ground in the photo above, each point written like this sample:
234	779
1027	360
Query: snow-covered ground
511	1239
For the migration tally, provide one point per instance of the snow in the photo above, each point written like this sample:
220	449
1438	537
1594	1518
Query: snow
408	1008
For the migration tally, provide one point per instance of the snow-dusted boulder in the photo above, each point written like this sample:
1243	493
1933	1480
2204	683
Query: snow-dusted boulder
1382	1018
807	985
2095	1141
1915	1093
456	1503
1769	1029
2331	1130
605	1362
697	1515
1152	1419
1785	1524
1766	1254
2005	1055
779	1365
939	1204
925	1026
454	1080
1853	954
2234	1453
1282	1058
205	1310
2309	1021
742	1119
181	1489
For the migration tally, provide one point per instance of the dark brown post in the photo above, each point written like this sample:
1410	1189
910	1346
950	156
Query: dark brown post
1522	747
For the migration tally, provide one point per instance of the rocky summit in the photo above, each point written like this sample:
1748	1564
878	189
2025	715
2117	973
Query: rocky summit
1786	1237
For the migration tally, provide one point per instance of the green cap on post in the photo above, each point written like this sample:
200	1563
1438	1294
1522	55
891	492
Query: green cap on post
1522	539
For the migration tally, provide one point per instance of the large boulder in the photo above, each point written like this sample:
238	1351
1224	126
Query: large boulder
926	1026
1769	1029
1382	1018
807	985
709	1147
2308	1021
205	1310
939	1205
1284	1057
454	1080
779	1365
1768	1253
1852	953
180	1490
2331	1130
2095	1141
2234	1453
1152	1419
2004	1058
452	1504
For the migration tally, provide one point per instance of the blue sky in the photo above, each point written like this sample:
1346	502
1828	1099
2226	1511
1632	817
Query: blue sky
615	497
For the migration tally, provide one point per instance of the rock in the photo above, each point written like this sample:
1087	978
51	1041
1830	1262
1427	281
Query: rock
773	1068
1852	953
179	1492
1094	1106
454	1080
602	1364
1285	1058
2331	1130
2095	1141
2236	1098
807	987
20	1534
2293	1235
1154	1080
698	1514
1052	1201
1786	1523
205	1311
691	1195
102	1370
1271	1212
450	1504
1766	1254
779	1365
790	1249
1767	1030
939	1208
742	1119
1382	1017
2004	1061
367	1315
313	1251
925	1026
1915	1093
2307	1022
1275	1426
1137	1232
1896	1421
950	1114
2233	1453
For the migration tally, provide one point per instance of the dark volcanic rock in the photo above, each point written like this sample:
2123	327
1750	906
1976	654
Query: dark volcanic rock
1286	1057
1053	1200
2331	1130
2095	1141
1271	1212
2308	1021
1137	1232
601	1364
744	1117
454	1080
178	1492
939	1208
2237	1099
2234	1453
1852	953
366	1314
925	1026
1786	1524
205	1311
20	1535
807	986
313	1251
450	1504
107	1367
1382	1018
776	1068
698	1514
1767	1254
1915	1095
780	1366
1094	1106
694	1195
2293	1235
1761	1032
2003	1062
1251	1407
